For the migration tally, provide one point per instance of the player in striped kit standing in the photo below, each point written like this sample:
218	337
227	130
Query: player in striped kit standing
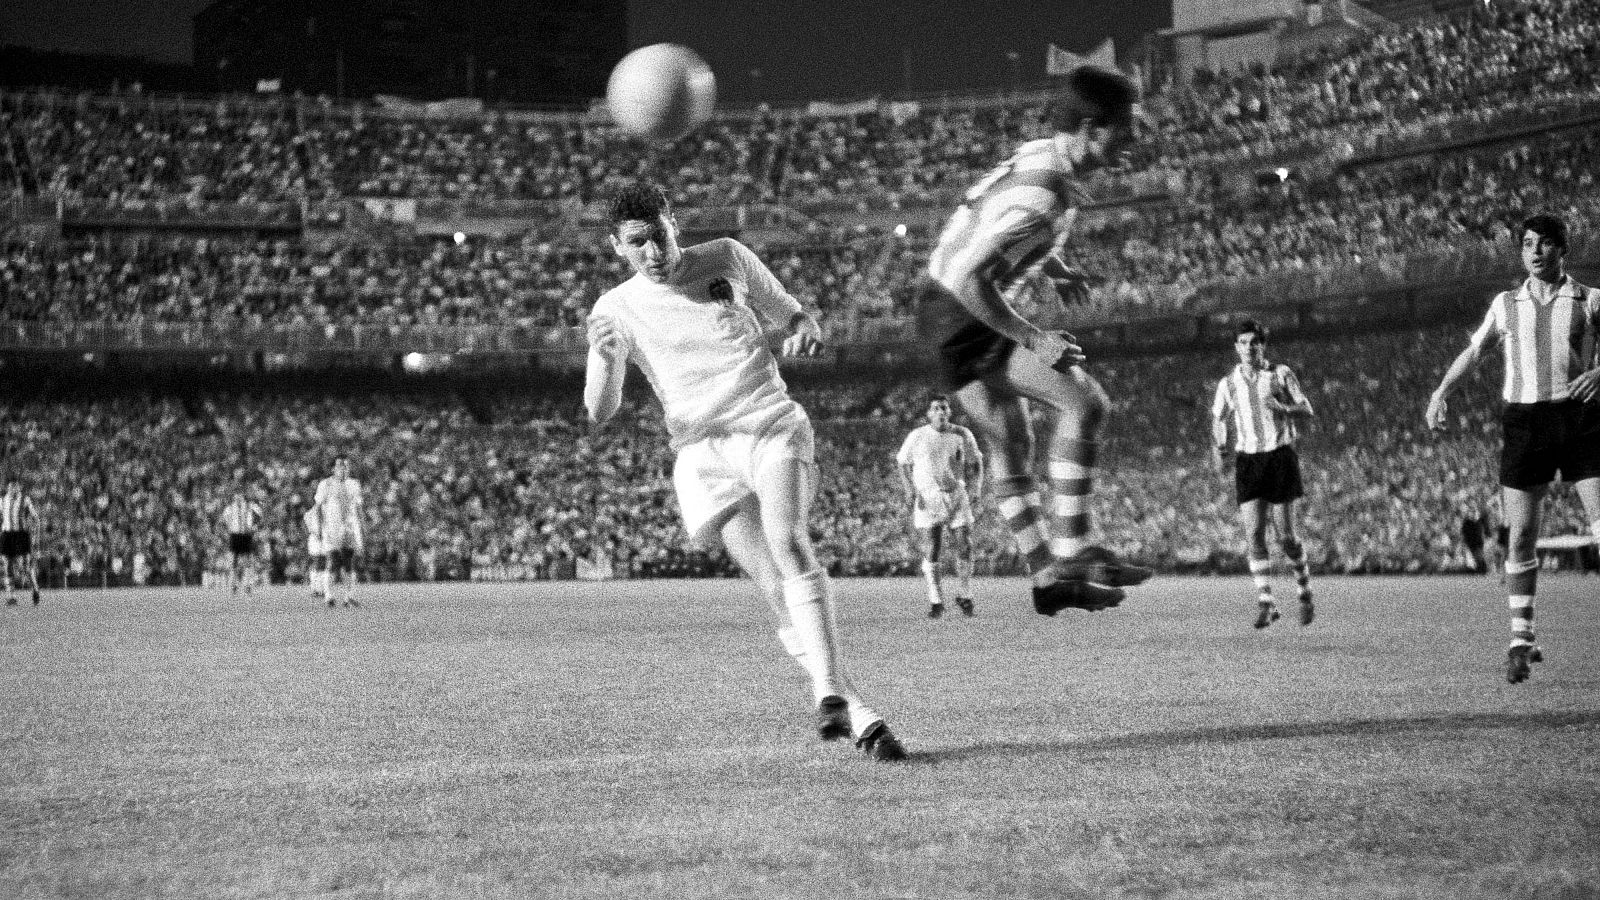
17	514
338	507
941	469
1261	402
1548	328
240	518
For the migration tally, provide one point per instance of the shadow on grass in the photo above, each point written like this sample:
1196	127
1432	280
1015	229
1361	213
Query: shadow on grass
1231	734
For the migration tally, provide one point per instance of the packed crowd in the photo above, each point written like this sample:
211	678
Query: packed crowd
514	485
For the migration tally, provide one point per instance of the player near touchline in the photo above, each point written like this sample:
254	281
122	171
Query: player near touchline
17	516
994	363
338	507
239	519
941	469
1262	403
316	553
693	319
1549	330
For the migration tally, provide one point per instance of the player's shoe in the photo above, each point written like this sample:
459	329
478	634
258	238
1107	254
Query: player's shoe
935	610
1267	614
332	603
353	602
35	596
833	718
1100	566
966	606
1520	660
11	601
879	743
1308	610
1074	593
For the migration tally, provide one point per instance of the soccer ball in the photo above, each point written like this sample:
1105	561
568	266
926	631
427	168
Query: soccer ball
661	92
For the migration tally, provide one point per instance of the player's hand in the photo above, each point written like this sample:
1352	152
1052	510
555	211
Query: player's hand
1058	349
1438	409
805	337
1585	387
603	334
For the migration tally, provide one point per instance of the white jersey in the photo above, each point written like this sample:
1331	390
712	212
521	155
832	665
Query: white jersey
698	339
939	459
1241	400
313	523
339	499
1549	333
240	516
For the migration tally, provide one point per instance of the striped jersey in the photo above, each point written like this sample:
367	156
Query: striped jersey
16	511
1241	401
1022	205
1548	334
241	515
938	459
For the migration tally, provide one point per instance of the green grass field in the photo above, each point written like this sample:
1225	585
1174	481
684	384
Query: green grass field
651	739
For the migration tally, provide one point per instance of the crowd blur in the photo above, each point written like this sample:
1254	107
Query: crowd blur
490	484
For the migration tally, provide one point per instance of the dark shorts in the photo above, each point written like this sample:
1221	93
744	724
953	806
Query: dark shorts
1273	476
967	350
1543	440
342	559
242	544
15	544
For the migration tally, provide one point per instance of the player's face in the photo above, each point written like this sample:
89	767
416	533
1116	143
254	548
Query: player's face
650	246
1541	257
1250	347
1105	148
939	415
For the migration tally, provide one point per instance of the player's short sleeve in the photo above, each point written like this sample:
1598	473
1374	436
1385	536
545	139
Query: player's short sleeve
969	448
1493	324
766	294
1222	401
906	446
322	492
1291	385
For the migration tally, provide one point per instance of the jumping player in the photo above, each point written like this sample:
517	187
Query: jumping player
239	519
17	515
995	362
694	320
338	507
1262	402
941	469
1548	327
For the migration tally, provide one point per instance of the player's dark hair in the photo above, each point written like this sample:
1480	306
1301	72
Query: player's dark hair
939	398
1550	227
1251	326
1099	96
639	202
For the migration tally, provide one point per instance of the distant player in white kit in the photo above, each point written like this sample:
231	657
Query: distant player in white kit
338	506
316	554
693	320
17	515
240	518
941	470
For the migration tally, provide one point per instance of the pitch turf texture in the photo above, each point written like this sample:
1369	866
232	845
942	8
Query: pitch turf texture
652	740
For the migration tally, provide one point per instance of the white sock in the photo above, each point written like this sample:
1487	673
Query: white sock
930	574
806	597
964	573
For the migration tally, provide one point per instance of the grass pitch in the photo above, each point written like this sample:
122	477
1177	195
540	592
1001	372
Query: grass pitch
651	739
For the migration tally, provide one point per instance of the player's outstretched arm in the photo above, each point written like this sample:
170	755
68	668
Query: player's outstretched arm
607	367
1438	408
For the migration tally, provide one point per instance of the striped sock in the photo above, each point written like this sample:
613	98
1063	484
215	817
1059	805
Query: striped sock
1521	620
1296	552
1522	583
930	574
1071	482
1260	572
1019	506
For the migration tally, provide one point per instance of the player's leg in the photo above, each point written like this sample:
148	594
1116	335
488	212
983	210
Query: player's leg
1521	507
961	537
1295	551
351	554
32	568
336	572
6	563
1253	519
932	540
1589	494
233	571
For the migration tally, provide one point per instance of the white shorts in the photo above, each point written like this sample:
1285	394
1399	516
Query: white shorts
315	548
951	509
340	539
714	474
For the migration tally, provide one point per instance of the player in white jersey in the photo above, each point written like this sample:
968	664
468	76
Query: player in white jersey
316	553
239	519
995	363
338	508
1262	402
1549	328
941	469
17	516
694	320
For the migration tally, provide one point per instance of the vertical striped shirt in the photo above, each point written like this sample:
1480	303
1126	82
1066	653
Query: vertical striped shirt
241	515
1549	337
16	511
1241	401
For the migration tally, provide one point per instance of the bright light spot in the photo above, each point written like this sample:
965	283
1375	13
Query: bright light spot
461	237
1283	174
900	230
